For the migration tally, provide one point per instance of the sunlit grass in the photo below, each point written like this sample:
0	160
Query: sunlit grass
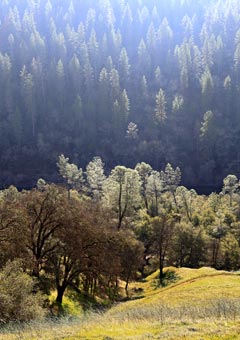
196	304
70	305
108	329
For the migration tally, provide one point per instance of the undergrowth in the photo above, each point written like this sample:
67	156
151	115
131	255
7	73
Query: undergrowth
193	304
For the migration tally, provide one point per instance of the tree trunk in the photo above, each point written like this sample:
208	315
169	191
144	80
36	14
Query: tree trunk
119	222
175	201
127	281
120	215
161	275
60	293
36	268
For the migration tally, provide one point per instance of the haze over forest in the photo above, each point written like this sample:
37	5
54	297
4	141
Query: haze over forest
129	81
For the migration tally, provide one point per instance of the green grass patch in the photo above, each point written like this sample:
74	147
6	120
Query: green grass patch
194	304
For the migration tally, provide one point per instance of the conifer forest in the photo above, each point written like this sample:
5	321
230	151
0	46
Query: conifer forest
129	81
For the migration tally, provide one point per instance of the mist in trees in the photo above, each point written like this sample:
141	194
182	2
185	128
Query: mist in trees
125	81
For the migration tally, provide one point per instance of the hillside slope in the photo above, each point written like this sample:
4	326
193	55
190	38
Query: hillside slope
129	81
196	304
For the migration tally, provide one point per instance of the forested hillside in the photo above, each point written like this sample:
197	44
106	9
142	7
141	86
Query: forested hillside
93	236
129	81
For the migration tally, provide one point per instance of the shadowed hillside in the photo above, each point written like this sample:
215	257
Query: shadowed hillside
129	81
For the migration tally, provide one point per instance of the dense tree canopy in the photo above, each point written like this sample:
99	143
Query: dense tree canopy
88	236
129	81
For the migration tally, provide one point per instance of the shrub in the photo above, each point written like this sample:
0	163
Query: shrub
18	302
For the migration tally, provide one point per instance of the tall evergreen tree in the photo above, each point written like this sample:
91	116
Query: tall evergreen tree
160	108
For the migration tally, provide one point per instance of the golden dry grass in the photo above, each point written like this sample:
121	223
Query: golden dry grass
199	304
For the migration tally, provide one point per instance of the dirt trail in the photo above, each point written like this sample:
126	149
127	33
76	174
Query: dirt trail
195	279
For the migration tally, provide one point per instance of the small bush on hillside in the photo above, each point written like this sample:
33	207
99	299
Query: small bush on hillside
18	302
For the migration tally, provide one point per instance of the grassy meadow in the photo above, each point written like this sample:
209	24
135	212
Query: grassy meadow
199	304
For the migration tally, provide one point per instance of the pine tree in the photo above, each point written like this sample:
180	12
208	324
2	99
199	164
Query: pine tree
93	49
71	173
151	38
75	72
5	83
27	90
124	67
230	186
227	84
165	35
171	180
144	170
144	90
39	81
158	77
88	76
207	88
237	62
61	83
160	108
206	128
144	62
77	122
132	131
177	103
114	83
95	177
122	192
154	189
125	105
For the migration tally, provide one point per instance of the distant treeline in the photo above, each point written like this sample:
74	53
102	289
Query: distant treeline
129	81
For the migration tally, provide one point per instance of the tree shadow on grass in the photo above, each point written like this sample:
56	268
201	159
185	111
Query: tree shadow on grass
170	276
